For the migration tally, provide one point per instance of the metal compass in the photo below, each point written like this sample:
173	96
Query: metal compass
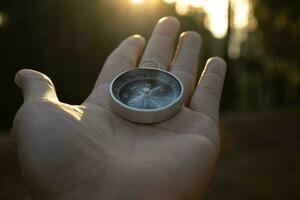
146	95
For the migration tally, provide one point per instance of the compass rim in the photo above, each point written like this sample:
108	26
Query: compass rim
173	103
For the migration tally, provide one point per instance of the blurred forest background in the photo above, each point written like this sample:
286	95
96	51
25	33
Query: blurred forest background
69	41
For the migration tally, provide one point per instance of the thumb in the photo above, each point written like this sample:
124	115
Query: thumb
35	86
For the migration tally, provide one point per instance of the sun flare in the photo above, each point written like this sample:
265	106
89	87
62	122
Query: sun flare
214	13
136	1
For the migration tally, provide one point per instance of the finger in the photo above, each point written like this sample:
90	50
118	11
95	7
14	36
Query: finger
206	98
161	43
186	61
35	86
124	57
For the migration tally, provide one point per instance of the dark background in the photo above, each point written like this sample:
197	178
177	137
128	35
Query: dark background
69	41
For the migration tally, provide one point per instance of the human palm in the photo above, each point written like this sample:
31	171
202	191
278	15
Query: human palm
88	152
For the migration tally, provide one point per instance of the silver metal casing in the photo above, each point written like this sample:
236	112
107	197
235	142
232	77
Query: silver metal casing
146	116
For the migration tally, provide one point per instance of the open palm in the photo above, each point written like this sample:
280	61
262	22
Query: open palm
88	152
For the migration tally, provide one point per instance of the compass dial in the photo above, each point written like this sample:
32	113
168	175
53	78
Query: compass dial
146	89
146	95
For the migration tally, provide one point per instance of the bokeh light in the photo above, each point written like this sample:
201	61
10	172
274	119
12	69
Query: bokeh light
241	11
182	7
216	17
3	19
137	1
216	13
170	1
196	3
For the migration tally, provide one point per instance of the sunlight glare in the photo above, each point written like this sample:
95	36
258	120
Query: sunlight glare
169	1
137	1
182	7
217	17
186	3
241	11
195	3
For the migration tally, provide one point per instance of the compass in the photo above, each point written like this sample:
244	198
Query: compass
146	95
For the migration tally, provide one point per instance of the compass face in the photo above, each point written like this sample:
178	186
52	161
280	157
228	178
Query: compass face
146	89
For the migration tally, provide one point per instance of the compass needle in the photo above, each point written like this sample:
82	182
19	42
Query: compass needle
141	93
155	89
145	102
164	98
136	99
154	103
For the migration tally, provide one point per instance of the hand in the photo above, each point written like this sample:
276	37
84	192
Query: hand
88	152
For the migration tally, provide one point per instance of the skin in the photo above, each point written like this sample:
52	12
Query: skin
88	152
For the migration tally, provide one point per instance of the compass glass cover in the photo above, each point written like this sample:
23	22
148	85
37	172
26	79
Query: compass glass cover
146	88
